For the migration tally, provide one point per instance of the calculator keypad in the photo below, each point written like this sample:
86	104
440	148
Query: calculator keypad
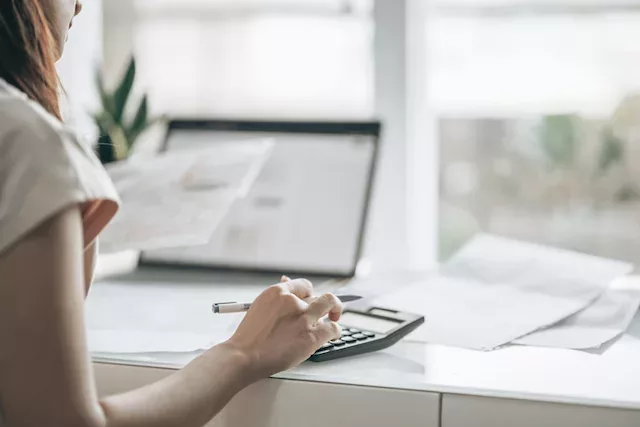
349	336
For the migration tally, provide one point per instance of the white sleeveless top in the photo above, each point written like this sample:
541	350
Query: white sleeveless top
44	169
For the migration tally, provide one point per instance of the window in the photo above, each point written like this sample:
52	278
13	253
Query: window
255	58
538	113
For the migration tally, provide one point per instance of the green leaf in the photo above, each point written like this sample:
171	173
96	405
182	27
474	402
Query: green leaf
612	151
628	193
140	121
97	118
559	140
123	91
108	104
104	121
119	141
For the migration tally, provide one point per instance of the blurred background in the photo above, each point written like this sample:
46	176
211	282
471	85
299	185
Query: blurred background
517	117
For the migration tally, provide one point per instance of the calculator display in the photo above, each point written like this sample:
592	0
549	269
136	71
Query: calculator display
368	323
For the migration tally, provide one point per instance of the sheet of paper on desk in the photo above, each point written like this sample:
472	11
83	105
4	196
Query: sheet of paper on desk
178	199
608	317
155	318
496	290
132	342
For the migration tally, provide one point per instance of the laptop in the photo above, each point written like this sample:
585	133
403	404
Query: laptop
306	214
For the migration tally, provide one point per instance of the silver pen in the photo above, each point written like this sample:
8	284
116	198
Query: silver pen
241	307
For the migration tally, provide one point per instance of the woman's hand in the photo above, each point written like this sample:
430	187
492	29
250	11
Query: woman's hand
281	330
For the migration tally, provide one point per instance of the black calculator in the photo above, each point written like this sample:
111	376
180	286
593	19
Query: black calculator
366	330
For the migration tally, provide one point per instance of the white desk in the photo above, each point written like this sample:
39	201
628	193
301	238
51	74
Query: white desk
421	385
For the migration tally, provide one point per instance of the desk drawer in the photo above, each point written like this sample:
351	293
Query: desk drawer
470	411
284	403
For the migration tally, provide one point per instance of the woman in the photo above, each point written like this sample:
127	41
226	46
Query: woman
54	200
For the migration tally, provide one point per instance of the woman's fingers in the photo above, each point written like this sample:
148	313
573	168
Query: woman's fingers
327	331
326	304
301	288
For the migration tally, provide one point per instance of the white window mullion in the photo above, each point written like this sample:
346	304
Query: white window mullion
423	153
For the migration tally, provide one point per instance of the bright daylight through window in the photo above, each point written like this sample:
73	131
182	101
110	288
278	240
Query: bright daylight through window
239	57
538	105
535	102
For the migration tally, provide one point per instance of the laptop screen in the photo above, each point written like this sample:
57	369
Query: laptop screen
306	211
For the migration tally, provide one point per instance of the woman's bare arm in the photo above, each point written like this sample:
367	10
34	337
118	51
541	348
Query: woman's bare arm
46	376
90	255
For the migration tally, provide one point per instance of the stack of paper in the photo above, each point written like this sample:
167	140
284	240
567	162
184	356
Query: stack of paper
608	317
496	291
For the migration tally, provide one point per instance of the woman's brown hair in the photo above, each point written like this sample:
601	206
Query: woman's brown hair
28	52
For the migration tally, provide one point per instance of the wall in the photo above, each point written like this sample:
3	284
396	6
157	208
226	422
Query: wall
77	68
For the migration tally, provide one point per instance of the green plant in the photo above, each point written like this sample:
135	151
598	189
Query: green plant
559	140
118	133
612	154
612	151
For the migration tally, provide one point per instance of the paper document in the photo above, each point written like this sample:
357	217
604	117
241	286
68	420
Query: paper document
608	317
496	290
178	199
144	317
132	342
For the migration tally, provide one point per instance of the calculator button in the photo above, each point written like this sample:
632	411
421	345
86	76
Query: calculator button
354	331
369	334
337	343
346	333
325	347
348	340
359	337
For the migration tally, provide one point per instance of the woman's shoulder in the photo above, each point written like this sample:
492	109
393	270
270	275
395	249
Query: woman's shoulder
23	119
44	167
33	140
28	130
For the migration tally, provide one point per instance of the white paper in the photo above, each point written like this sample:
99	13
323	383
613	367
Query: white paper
604	320
132	342
496	290
145	317
178	199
